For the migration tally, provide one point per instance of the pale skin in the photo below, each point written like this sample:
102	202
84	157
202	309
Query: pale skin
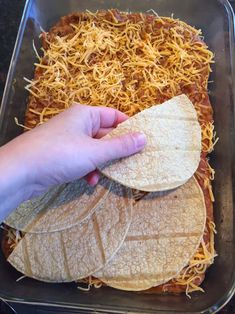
67	147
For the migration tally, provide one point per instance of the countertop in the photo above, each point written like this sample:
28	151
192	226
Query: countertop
10	15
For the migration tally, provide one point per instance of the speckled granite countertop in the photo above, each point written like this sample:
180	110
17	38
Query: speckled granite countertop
10	16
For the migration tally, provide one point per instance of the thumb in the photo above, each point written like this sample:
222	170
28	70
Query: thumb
121	146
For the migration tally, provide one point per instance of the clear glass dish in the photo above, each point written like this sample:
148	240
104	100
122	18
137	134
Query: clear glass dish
215	18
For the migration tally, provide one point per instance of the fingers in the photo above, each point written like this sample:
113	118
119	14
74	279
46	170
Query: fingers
110	118
122	146
92	178
102	132
96	118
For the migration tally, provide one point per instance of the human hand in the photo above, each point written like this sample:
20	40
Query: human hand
67	147
70	145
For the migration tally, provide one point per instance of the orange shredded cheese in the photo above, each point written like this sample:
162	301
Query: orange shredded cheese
209	137
89	282
198	264
207	174
119	64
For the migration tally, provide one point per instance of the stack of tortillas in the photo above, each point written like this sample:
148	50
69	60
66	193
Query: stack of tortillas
74	230
50	252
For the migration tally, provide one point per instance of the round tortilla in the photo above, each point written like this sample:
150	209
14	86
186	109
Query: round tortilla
165	232
77	252
172	151
62	207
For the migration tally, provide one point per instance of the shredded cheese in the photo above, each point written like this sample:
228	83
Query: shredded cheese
197	266
206	174
20	124
129	65
21	278
209	137
89	282
13	237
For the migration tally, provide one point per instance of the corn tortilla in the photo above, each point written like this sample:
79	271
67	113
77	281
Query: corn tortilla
62	207
165	232
172	151
75	253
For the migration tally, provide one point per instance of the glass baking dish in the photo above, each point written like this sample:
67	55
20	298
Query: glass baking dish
215	18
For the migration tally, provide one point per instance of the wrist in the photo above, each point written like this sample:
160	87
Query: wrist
16	185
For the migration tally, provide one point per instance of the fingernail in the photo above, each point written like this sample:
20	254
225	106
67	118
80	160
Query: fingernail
141	140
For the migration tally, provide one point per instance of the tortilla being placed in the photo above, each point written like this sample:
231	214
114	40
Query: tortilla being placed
62	207
173	149
77	252
165	232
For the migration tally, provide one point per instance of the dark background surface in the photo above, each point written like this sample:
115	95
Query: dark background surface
10	15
